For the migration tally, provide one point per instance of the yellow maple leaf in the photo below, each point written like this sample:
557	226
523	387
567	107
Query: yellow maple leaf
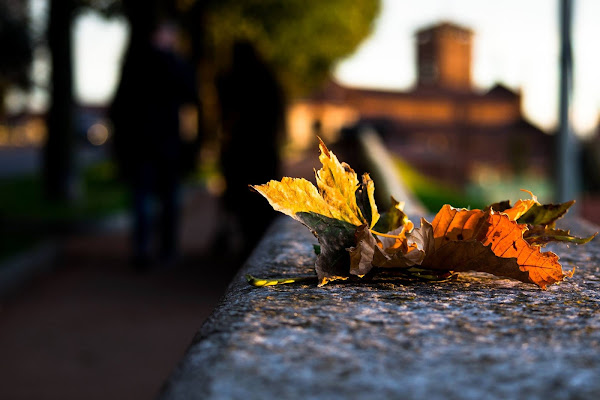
332	211
335	197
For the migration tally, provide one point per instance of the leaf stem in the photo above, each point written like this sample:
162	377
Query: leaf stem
385	234
419	273
259	282
401	274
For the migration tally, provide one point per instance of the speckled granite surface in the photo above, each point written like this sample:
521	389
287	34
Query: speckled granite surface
479	337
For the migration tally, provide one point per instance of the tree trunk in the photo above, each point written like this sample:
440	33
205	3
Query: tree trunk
58	174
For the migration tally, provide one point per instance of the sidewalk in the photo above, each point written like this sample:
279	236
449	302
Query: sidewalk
92	328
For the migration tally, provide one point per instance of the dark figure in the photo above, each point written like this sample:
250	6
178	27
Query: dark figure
252	111
155	85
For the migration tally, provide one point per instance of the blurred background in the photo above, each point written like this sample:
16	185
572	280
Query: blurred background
124	206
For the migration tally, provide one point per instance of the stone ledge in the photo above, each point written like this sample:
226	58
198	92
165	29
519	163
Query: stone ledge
473	338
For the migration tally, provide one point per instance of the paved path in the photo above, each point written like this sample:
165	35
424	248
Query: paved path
95	329
18	161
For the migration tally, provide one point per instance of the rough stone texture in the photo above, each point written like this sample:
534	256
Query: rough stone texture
474	338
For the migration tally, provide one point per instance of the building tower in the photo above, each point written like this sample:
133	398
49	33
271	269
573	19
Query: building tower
444	57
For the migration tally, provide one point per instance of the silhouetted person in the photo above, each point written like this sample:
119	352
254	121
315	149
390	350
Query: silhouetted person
155	84
252	111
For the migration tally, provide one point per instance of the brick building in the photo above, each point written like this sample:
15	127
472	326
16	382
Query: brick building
443	125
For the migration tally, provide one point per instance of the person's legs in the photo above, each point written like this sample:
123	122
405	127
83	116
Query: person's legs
142	219
170	214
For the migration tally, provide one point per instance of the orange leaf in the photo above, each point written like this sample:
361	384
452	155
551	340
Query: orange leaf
489	242
521	206
451	224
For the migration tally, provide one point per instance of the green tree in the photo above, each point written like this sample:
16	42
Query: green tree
302	39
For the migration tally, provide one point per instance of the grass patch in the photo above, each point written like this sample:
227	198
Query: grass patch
101	195
17	242
433	193
23	207
510	189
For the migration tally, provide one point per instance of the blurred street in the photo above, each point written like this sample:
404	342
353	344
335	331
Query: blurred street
27	160
93	328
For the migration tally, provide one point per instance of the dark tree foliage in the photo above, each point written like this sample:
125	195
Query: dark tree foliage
302	39
58	173
17	47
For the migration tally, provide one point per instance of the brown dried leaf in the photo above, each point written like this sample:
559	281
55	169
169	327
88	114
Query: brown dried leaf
540	236
401	248
362	254
474	240
545	214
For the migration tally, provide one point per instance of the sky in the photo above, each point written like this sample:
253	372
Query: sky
516	43
99	44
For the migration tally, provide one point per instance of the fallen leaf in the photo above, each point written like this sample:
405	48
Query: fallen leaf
521	207
362	254
540	219
354	239
540	236
499	206
545	214
401	248
365	199
416	246
453	224
474	240
332	211
535	213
